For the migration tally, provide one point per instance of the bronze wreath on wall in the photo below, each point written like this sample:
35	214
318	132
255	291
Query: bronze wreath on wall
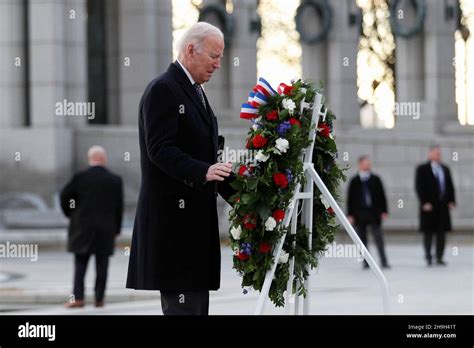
398	30
324	11
226	21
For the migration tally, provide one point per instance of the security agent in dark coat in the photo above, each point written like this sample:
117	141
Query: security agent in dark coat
435	191
93	200
367	206
175	245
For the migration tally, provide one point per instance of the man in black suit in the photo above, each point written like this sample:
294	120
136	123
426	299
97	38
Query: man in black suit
93	200
435	191
175	245
367	206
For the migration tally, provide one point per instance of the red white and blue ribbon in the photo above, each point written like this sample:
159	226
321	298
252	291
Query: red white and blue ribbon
257	97
248	112
264	87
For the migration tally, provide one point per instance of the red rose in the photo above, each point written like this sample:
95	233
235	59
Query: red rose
258	141
280	180
243	170
294	121
330	211
264	248
242	256
250	222
287	90
272	115
278	215
324	130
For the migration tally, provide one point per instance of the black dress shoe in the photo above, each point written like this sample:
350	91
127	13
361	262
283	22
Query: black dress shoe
441	263
429	262
386	266
366	265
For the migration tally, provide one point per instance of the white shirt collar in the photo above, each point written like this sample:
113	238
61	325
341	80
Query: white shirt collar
364	175
187	73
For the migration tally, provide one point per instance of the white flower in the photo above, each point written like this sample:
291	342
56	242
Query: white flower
289	105
283	257
235	232
270	224
303	90
255	126
282	145
324	201
261	157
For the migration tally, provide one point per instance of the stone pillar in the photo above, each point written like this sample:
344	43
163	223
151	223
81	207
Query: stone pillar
57	72
314	59
439	69
341	65
12	64
409	67
410	76
218	88
75	52
242	54
145	43
47	61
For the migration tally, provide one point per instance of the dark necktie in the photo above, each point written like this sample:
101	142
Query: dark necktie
439	179
200	93
366	193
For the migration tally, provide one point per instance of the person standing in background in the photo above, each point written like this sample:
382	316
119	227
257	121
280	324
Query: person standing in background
367	206
93	201
435	191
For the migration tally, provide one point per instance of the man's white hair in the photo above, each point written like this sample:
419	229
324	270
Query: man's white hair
95	149
196	34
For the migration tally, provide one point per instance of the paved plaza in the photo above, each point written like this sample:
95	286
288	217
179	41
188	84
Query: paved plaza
339	286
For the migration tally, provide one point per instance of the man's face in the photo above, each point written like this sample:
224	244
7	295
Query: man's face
435	154
206	59
364	165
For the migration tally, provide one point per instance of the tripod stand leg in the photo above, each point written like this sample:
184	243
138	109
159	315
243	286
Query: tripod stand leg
308	223
276	256
355	238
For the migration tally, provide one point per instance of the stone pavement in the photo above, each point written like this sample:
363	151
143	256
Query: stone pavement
339	286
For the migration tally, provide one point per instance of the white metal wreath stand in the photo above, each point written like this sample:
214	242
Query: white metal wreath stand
291	216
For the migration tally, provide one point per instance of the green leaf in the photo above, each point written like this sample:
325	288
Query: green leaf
264	212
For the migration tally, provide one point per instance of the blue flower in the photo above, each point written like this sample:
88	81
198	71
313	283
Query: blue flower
283	128
289	175
246	248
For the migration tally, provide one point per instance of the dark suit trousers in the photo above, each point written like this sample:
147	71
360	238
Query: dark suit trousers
185	302
440	243
361	229
102	265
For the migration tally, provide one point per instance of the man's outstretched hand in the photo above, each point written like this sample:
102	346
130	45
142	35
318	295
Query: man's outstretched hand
219	171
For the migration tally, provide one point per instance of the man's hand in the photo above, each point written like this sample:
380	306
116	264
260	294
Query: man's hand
451	205
427	207
384	216
219	171
351	219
